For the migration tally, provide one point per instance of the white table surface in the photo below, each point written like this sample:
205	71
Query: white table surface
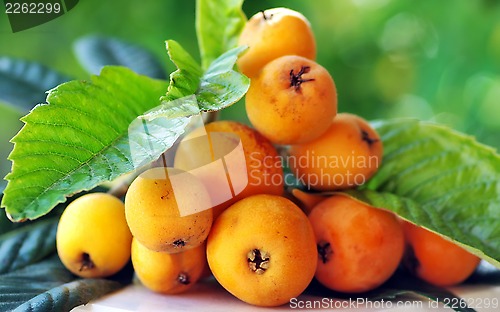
209	296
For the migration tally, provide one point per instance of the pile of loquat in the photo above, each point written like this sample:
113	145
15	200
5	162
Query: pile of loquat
263	244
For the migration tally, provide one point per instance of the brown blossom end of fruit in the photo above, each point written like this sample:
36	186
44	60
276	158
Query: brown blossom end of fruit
258	261
325	251
183	278
179	243
296	80
366	137
87	263
411	260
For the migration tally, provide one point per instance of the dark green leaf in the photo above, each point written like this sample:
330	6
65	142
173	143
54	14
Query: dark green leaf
24	284
218	26
95	52
10	125
5	224
27	245
77	141
485	274
67	296
23	84
48	286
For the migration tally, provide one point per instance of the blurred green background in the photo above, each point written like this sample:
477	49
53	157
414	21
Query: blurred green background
433	60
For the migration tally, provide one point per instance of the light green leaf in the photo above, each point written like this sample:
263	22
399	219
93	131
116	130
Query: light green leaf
76	141
186	79
453	181
67	296
27	245
218	26
156	131
184	107
219	87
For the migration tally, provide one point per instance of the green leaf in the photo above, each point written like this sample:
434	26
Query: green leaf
95	52
77	141
219	87
6	225
218	26
21	285
453	183
27	245
70	145
70	295
48	286
23	84
455	230
485	274
186	79
152	134
190	92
